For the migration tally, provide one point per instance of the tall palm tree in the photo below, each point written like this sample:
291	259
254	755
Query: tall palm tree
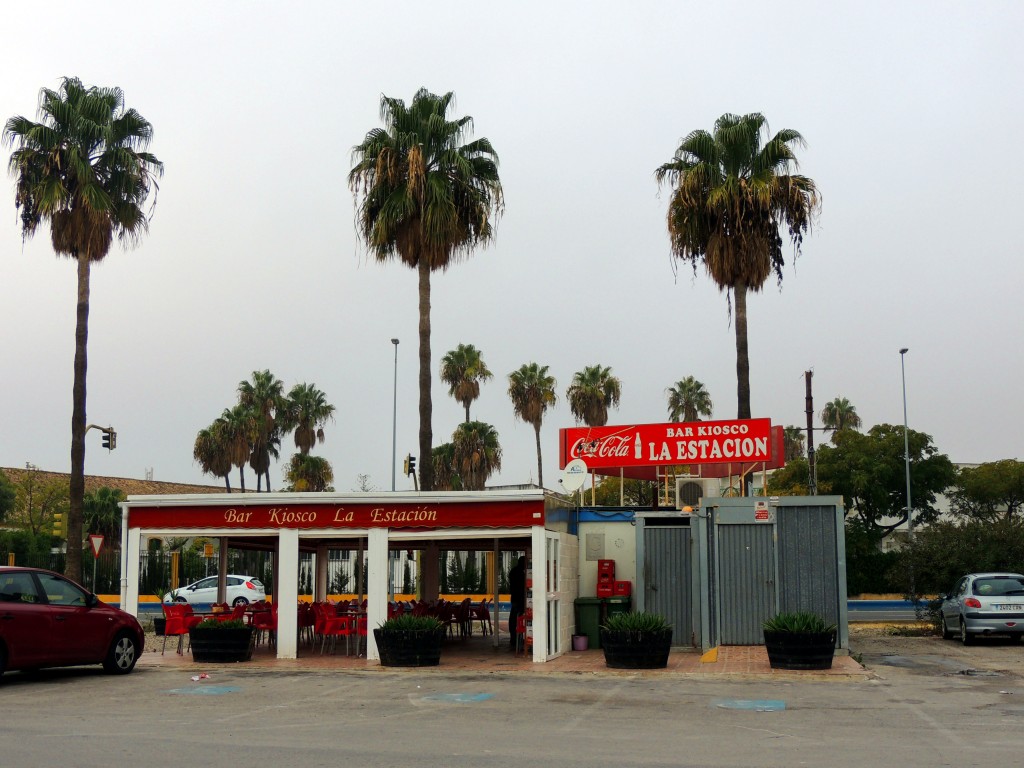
307	473
463	369
427	199
306	411
793	440
732	191
211	454
840	414
688	400
236	430
84	169
593	391
476	453
532	392
264	398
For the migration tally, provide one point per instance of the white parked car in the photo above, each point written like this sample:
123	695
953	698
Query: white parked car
240	590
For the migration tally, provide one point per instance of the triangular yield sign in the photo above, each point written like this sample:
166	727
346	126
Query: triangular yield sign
96	542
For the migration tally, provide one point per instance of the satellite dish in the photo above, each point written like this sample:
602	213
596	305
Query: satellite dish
574	475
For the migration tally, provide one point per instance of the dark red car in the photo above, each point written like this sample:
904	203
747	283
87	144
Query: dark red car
47	620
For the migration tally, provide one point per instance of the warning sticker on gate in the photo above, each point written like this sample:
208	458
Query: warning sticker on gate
762	513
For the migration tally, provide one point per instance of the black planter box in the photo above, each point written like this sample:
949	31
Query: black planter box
222	645
636	650
159	625
800	650
409	648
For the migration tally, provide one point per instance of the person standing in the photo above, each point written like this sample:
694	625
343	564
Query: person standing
517	588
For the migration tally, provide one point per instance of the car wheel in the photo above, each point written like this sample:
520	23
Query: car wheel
240	601
965	637
123	654
180	599
3	660
946	634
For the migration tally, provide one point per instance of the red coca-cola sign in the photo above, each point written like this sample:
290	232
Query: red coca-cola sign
645	445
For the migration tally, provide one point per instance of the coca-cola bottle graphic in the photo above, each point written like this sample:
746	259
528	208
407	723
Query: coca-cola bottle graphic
638	448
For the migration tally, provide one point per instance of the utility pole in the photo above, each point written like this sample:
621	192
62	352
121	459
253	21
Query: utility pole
812	472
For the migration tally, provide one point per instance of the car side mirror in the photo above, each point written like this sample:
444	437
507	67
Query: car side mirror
91	601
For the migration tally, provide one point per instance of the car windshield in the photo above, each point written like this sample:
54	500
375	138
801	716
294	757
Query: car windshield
998	586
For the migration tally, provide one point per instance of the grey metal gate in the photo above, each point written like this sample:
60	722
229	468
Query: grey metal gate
668	578
746	581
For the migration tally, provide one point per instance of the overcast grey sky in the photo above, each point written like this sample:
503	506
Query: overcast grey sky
909	109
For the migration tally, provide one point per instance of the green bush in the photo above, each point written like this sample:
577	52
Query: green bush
799	621
636	621
409	623
217	624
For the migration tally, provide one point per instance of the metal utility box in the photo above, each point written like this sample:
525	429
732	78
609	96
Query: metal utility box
719	572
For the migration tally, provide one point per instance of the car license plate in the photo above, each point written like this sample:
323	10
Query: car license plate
1006	607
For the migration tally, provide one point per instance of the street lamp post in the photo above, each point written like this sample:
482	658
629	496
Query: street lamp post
906	444
394	417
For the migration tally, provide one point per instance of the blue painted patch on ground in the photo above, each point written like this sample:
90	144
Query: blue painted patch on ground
458	698
207	690
753	705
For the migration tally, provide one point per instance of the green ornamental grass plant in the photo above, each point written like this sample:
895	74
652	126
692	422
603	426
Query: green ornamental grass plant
409	623
798	621
636	621
217	624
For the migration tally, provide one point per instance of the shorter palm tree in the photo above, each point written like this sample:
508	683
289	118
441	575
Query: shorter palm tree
688	400
311	474
476	453
840	414
793	439
532	392
306	411
264	398
463	369
236	430
446	478
211	454
593	391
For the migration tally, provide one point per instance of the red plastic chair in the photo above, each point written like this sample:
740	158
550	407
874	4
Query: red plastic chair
179	620
331	625
482	613
266	622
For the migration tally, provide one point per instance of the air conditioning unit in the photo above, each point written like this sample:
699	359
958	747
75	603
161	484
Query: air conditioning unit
690	490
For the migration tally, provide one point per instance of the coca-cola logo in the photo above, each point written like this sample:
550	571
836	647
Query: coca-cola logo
610	446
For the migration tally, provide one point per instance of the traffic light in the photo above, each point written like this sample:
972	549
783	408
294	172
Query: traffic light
109	439
60	525
409	465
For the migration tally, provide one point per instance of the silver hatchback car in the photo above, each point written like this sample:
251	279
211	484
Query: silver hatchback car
984	604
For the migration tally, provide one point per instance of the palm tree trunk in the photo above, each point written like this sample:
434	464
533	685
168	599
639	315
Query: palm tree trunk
467	413
241	476
426	407
227	482
742	356
540	465
73	561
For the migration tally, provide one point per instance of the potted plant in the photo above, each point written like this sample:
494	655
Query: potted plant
636	640
410	641
213	640
799	640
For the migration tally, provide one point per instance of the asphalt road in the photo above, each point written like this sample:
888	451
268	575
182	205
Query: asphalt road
929	703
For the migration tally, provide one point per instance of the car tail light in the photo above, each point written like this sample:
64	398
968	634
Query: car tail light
250	585
972	602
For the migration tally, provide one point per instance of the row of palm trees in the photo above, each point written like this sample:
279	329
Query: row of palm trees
427	194
251	432
474	452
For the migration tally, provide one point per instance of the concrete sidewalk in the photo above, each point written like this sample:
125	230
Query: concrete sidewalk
478	655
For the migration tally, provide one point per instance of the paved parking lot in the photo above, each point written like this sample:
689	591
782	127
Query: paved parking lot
921	702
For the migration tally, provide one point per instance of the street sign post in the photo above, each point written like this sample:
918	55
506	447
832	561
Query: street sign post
96	542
